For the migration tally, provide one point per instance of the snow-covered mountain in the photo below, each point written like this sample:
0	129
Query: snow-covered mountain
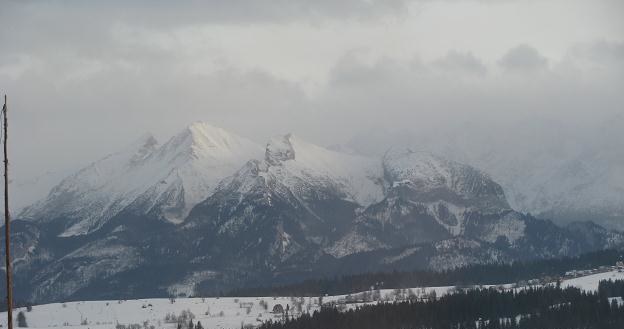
217	210
550	169
299	198
165	180
427	198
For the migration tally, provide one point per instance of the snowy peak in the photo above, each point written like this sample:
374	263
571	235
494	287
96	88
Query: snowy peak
420	168
164	181
190	166
430	177
279	149
210	141
201	140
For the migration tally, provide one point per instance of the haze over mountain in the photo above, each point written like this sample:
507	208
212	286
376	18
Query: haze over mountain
325	71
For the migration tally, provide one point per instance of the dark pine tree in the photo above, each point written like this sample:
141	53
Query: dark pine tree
21	320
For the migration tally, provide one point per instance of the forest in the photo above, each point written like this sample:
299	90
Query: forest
530	308
497	273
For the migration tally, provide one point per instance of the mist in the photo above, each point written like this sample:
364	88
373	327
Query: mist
84	81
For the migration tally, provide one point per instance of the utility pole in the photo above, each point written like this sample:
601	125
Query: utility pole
7	223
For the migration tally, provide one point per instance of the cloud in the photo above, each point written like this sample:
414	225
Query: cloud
523	58
84	78
161	13
601	51
407	94
461	63
353	69
73	120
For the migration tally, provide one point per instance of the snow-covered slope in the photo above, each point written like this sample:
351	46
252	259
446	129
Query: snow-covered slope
225	312
230	312
167	180
591	282
550	169
296	163
427	198
434	178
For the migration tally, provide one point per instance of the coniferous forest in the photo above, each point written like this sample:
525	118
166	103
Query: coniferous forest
531	308
480	274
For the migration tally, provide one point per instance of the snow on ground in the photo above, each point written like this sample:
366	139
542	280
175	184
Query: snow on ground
212	312
230	312
590	282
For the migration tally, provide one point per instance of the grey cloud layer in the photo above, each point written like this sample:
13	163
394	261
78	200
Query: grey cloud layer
84	79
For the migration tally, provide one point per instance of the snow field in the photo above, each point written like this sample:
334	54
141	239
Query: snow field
228	312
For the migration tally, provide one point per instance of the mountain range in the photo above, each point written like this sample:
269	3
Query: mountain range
209	211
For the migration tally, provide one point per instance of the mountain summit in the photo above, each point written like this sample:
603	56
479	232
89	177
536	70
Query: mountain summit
166	181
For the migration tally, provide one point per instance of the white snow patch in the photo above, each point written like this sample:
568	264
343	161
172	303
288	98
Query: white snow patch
352	243
590	282
187	287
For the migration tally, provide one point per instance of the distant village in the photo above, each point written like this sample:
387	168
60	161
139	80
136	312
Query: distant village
619	266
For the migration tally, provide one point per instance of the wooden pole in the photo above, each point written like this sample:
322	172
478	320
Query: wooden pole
7	223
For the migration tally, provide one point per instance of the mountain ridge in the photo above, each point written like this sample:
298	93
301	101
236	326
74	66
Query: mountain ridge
217	210
176	175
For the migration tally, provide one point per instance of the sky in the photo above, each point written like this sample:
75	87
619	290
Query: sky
85	78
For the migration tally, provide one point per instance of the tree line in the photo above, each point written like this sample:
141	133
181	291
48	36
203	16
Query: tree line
530	308
498	273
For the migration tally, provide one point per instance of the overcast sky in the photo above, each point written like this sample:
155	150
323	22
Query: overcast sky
86	78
